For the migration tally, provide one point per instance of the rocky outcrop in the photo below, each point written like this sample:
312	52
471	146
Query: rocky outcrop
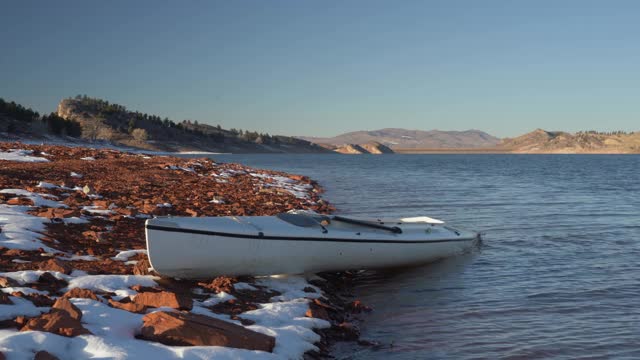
351	149
101	120
368	148
560	142
198	330
377	148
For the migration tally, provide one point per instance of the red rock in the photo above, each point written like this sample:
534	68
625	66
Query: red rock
64	305
55	265
101	203
80	293
48	278
191	212
58	213
221	283
185	329
2	357
20	321
309	289
142	267
43	355
56	322
164	298
131	307
15	253
317	312
7	282
20	201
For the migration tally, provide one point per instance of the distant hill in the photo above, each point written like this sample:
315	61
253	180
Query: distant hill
560	142
101	120
412	139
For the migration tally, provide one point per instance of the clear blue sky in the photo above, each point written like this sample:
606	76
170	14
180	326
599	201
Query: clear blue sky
327	67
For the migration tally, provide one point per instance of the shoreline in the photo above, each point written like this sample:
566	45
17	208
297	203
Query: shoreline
72	227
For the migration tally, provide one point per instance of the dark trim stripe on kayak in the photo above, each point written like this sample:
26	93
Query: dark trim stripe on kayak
289	238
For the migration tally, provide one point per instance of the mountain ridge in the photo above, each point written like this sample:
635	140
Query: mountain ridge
398	138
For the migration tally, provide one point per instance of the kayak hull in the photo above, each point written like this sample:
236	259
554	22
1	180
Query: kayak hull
199	252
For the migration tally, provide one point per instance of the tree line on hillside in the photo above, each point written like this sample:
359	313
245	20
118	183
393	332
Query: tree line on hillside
17	118
144	126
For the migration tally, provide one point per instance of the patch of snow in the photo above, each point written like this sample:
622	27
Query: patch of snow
110	283
298	190
290	287
21	156
165	205
78	257
31	276
174	167
75	220
20	307
88	158
243	286
126	254
41	200
217	298
96	210
76	175
288	323
21	230
46	185
24	290
18	261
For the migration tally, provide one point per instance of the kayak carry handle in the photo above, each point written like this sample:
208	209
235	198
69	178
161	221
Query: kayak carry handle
393	229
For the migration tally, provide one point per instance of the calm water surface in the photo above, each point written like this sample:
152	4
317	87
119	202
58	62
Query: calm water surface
558	275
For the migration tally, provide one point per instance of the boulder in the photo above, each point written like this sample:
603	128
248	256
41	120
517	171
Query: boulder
183	329
130	306
142	267
58	322
81	293
164	299
55	265
64	305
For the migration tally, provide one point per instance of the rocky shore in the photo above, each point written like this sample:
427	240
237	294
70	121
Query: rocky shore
75	280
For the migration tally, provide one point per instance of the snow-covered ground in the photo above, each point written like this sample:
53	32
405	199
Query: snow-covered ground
114	330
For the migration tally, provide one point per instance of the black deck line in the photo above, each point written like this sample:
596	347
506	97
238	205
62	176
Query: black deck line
286	238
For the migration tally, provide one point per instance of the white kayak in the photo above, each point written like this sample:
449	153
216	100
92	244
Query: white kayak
204	247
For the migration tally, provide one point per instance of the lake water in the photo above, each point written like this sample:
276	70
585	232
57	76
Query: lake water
558	275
